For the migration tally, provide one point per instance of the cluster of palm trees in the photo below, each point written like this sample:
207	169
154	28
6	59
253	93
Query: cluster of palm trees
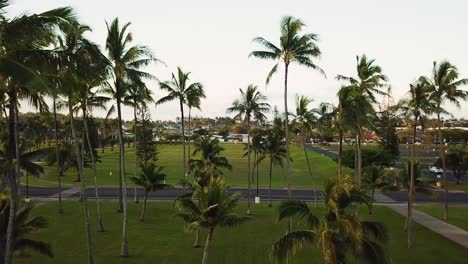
426	97
55	59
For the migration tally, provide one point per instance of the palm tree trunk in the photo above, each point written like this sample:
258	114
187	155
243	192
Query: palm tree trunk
256	167
269	188
93	161
124	245
189	135
340	148
136	156
57	156
183	135
308	167
13	175
143	211
411	185
286	132
248	165
196	243
207	246
355	158
359	161
82	183
444	174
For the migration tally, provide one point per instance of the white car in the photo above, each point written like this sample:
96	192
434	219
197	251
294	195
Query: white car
435	170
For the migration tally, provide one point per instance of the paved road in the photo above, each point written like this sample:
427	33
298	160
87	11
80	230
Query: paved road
171	194
276	194
322	151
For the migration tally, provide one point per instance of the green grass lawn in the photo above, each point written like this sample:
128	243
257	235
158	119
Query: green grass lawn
170	156
458	215
164	239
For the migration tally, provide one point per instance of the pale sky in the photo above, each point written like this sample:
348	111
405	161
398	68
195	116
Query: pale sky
212	39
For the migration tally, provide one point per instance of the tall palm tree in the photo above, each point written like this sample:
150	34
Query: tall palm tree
55	93
88	96
340	112
294	48
415	107
209	208
445	84
24	225
250	105
151	178
305	118
365	86
126	65
76	56
341	234
88	100
21	58
137	97
275	151
180	89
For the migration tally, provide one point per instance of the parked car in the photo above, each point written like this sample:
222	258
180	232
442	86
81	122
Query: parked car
435	169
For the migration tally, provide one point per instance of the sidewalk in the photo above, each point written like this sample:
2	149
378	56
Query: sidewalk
440	227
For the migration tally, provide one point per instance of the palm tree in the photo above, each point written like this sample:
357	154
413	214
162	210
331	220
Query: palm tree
294	48
258	150
250	105
88	98
341	234
415	107
340	112
126	64
180	89
445	84
27	159
21	57
57	148
151	178
210	156
79	60
209	208
368	82
275	151
305	119
24	224
210	164
403	181
138	96
375	178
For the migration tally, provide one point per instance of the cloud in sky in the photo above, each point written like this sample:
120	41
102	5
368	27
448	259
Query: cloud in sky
212	39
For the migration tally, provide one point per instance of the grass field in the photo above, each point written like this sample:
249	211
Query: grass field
458	215
170	156
163	239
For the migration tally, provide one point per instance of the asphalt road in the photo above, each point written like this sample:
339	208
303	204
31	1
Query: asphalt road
276	194
171	194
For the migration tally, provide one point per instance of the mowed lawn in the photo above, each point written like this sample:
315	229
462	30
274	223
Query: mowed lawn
164	239
458	214
170	156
